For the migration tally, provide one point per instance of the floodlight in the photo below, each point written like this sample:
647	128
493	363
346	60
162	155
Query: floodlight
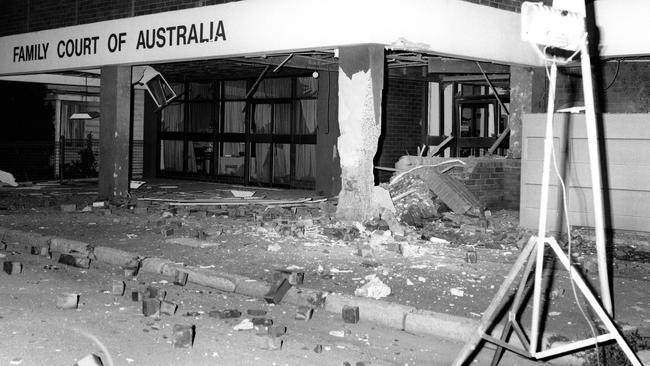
156	85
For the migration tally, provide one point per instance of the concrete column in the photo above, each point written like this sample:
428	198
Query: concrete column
115	132
150	136
527	95
361	81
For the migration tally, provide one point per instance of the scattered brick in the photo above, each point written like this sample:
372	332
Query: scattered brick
304	313
471	257
136	296
229	314
180	278
318	348
67	301
154	293
12	268
256	312
168	308
167	231
268	343
74	261
350	314
138	210
295	278
118	288
277	292
151	307
277	330
183	336
263	322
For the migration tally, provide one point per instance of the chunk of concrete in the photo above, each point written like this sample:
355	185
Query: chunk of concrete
67	301
114	256
439	324
90	360
12	268
277	291
70	246
155	265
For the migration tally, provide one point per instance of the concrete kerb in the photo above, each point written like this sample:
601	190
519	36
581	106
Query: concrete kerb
24	239
401	317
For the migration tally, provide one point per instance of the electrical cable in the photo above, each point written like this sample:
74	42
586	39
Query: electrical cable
618	66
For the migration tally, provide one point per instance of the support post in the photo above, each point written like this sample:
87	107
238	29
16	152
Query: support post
115	132
361	81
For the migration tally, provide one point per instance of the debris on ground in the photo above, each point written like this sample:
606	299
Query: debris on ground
374	288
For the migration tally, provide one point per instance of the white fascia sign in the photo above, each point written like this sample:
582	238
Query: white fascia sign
257	27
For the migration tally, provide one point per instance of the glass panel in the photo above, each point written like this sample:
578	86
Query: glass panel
199	157
178	88
231	161
201	117
281	163
234	89
260	163
307	87
171	156
305	162
202	91
234	117
274	88
172	118
282	119
306	117
262	119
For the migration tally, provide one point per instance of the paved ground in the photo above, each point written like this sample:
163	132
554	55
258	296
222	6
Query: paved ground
35	332
241	246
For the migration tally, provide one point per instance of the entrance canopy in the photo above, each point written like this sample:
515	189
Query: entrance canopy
444	27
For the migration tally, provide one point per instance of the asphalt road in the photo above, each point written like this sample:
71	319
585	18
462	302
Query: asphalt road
35	332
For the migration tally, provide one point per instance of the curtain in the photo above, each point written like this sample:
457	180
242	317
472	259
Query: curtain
281	162
172	118
307	87
274	88
234	89
262	119
171	155
306	121
261	168
305	162
200	117
282	119
234	117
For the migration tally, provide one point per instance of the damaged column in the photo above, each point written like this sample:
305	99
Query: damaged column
115	131
361	81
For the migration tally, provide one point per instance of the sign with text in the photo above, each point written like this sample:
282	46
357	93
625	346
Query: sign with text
270	26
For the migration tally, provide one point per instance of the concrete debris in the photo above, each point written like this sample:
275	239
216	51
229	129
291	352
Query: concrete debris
245	324
74	261
180	278
69	208
337	333
90	360
374	288
256	312
457	292
274	248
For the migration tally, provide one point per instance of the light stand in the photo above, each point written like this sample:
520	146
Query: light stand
546	28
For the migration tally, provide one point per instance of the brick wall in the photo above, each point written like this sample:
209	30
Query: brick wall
495	182
403	121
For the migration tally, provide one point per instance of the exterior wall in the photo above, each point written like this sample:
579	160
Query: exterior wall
627	139
404	120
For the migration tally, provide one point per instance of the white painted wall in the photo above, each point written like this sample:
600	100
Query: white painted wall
627	141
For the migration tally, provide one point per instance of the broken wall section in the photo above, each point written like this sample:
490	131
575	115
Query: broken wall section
495	181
